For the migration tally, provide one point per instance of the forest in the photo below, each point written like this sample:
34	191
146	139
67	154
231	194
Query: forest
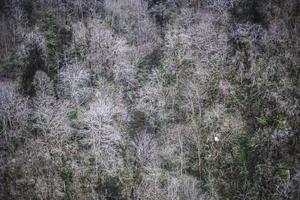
149	100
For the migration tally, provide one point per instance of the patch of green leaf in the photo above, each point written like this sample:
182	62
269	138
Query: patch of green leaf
213	84
163	180
7	62
50	27
92	161
52	42
3	64
73	116
169	164
282	173
280	122
262	120
193	162
211	120
233	100
245	174
1	126
67	176
242	157
243	153
169	79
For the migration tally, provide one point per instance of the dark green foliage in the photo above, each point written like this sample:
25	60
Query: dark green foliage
7	62
213	90
68	177
243	157
92	161
51	29
73	117
233	100
169	164
146	66
1	125
262	121
57	37
192	165
282	173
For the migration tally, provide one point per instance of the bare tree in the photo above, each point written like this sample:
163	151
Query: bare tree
14	111
134	23
105	135
75	83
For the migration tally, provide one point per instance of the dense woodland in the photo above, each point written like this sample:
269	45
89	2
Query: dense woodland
149	99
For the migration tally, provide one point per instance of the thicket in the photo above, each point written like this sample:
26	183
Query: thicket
160	99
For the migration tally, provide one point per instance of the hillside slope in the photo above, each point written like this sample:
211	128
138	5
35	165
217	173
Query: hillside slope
157	99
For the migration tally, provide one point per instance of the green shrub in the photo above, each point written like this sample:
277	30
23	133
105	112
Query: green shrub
233	100
73	114
3	64
92	161
211	120
262	120
163	180
52	42
51	29
1	126
192	165
169	164
243	154
73	117
282	173
213	84
67	176
8	61
56	37
280	122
